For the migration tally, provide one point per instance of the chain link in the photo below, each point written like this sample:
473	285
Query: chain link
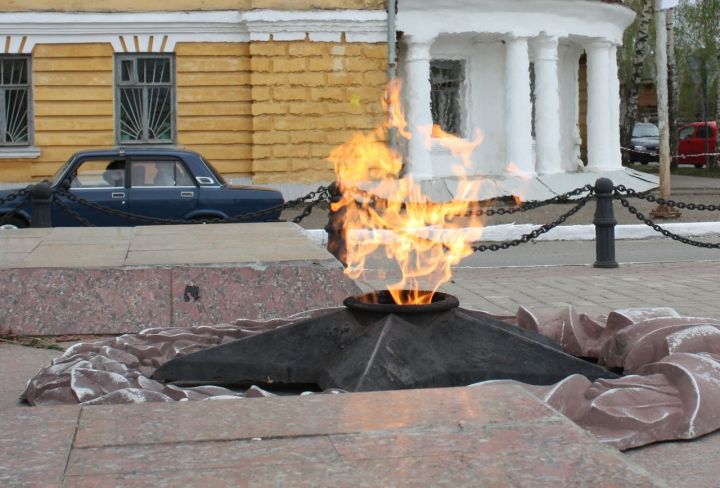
655	153
321	194
537	232
25	193
83	221
524	207
640	216
532	205
14	195
622	190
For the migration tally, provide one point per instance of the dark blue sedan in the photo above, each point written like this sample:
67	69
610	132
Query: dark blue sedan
159	183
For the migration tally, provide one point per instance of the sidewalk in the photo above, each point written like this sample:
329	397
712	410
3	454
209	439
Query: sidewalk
482	436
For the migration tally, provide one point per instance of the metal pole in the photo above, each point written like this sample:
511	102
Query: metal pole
41	198
604	225
392	63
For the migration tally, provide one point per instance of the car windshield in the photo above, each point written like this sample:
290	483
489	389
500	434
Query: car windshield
645	130
56	177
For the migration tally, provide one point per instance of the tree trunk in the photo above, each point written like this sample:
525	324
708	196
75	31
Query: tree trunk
672	83
633	88
717	121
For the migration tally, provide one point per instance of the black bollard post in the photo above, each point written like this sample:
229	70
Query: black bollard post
604	225
41	198
336	244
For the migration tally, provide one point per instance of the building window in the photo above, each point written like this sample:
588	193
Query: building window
145	97
15	100
446	79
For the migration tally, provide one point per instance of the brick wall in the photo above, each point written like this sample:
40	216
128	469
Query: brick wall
308	97
214	104
73	104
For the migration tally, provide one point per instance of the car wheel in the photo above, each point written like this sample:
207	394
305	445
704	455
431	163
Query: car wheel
698	166
14	223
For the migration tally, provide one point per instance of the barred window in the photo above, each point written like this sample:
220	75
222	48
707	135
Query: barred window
15	100
446	79
145	98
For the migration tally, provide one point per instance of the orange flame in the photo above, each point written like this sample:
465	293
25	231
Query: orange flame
378	201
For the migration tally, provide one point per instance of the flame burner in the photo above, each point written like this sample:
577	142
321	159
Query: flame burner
383	346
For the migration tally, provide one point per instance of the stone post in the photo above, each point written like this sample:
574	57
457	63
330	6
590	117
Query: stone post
41	198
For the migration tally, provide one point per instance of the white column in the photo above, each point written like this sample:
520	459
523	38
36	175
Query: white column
614	82
570	138
547	106
419	115
599	111
518	109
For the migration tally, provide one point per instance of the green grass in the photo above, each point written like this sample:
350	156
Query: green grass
680	170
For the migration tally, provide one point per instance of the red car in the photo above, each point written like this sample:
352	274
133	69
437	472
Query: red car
692	143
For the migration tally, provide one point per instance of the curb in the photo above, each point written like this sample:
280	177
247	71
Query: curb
497	233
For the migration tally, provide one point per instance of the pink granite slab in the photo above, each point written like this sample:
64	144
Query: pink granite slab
35	445
55	301
58	301
438	437
262	292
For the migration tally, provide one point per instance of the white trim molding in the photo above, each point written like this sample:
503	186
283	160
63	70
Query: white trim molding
24	152
320	26
160	31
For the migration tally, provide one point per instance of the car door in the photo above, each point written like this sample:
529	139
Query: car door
161	188
686	144
98	181
702	143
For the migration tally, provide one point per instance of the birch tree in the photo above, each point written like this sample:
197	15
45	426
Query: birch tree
673	91
639	41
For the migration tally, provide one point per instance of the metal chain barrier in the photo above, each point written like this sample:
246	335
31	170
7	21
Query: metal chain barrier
640	216
16	194
622	190
82	220
651	153
315	197
523	207
537	232
24	193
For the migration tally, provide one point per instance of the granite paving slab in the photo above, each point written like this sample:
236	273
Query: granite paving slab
314	415
35	444
18	364
683	464
489	435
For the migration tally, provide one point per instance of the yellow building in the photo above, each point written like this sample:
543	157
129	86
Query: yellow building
262	88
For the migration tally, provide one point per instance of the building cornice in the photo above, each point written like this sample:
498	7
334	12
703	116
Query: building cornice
20	32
